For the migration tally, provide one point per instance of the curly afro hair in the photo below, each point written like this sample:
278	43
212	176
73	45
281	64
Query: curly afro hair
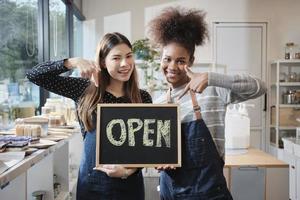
177	24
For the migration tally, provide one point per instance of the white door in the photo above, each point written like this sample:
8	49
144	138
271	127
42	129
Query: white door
241	48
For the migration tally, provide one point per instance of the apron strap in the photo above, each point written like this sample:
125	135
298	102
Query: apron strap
196	107
169	96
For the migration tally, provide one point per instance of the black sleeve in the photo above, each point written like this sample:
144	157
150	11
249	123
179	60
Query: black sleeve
48	76
146	97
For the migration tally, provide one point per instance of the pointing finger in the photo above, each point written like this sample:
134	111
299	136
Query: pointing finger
188	71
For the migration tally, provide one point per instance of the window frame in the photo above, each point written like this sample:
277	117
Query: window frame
44	35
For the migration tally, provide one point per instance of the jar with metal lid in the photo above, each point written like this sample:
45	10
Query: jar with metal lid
289	50
38	195
292	77
289	97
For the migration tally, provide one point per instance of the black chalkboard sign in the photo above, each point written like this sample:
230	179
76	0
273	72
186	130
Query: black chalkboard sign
138	135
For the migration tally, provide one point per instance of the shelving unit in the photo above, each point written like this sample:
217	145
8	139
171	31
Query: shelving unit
283	116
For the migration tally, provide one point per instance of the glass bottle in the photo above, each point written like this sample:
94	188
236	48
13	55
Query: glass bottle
297	52
289	51
5	115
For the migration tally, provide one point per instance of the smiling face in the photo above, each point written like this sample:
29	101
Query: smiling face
120	63
174	58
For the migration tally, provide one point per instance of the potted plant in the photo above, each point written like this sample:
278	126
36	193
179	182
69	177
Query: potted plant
147	61
143	50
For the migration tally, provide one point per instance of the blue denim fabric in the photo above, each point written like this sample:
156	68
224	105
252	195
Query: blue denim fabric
94	184
201	175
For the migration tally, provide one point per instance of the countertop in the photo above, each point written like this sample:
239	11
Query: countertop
253	157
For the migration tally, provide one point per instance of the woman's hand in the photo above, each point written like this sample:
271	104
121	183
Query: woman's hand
88	69
117	171
165	167
198	82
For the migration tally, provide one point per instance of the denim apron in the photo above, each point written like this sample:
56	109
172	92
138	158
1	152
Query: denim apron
201	175
96	185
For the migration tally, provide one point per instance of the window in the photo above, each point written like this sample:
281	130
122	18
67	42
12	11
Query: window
58	30
18	52
77	40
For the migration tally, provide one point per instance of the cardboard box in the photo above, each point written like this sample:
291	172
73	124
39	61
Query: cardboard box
287	116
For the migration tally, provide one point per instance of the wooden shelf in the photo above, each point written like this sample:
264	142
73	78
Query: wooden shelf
284	127
289	84
287	127
289	105
297	61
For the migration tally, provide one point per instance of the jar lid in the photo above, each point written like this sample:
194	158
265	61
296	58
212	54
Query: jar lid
292	91
38	193
290	44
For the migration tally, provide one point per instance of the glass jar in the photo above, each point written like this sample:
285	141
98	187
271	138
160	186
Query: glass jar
292	77
289	97
298	77
297	52
5	112
289	50
283	77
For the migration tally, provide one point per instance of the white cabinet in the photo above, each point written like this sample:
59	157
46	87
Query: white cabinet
284	77
293	180
66	160
16	189
40	178
243	177
36	172
277	183
61	170
251	182
298	178
291	159
294	171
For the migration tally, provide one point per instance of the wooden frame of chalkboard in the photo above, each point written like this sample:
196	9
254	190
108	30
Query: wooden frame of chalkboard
138	135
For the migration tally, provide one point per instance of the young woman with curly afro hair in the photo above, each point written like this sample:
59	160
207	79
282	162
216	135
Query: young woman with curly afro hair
203	98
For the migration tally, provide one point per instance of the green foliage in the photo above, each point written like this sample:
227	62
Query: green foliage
143	50
18	39
149	56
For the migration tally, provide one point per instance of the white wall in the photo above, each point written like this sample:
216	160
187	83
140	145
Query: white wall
282	17
108	10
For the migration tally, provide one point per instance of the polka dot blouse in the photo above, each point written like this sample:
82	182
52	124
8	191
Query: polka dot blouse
48	76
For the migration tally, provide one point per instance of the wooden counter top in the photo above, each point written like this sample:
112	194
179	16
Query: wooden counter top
253	157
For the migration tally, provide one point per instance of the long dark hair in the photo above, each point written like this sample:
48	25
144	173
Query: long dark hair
94	95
